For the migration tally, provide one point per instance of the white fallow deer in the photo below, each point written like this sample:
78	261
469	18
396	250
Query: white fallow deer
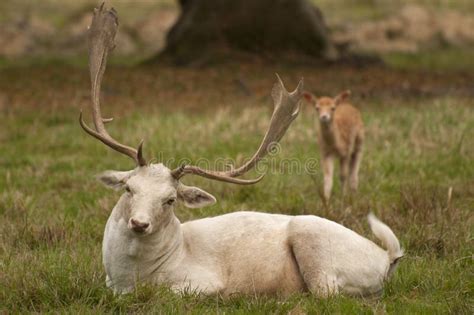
241	252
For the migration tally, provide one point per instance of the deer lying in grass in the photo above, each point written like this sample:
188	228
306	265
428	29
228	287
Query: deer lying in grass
241	252
341	135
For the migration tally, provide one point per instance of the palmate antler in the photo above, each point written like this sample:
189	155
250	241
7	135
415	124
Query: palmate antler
285	110
101	41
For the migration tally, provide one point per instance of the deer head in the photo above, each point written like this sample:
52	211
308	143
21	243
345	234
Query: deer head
325	106
151	190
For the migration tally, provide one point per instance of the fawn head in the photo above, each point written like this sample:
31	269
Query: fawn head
326	106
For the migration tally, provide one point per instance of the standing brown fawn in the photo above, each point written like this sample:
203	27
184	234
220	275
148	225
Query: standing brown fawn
341	134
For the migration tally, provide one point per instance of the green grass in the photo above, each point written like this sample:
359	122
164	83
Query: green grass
448	59
53	211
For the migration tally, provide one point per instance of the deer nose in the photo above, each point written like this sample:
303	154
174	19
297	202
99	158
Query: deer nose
138	226
324	118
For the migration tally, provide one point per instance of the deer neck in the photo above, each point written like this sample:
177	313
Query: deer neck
157	249
130	258
328	133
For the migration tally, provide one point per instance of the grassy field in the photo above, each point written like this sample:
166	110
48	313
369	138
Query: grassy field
419	146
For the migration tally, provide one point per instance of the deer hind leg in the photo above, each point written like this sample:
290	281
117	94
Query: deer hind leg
328	171
315	270
345	165
356	158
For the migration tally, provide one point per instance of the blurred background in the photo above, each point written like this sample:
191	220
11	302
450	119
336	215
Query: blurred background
396	30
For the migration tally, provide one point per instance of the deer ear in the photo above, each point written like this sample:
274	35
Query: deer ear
114	179
342	97
310	98
194	197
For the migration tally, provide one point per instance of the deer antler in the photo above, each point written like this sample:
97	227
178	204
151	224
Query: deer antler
285	111
101	41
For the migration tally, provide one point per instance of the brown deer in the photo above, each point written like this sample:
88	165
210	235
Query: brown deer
341	135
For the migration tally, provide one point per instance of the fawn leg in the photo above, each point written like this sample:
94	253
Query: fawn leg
345	161
354	170
328	170
356	158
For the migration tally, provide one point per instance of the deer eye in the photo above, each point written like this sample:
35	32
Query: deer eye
333	108
170	201
127	189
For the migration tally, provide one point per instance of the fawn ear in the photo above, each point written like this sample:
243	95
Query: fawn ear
310	98
342	97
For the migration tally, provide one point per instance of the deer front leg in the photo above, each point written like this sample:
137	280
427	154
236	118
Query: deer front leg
328	170
197	279
345	161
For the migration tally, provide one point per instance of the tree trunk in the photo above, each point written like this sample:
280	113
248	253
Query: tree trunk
207	28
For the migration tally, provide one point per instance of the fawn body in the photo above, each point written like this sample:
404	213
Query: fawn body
341	135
